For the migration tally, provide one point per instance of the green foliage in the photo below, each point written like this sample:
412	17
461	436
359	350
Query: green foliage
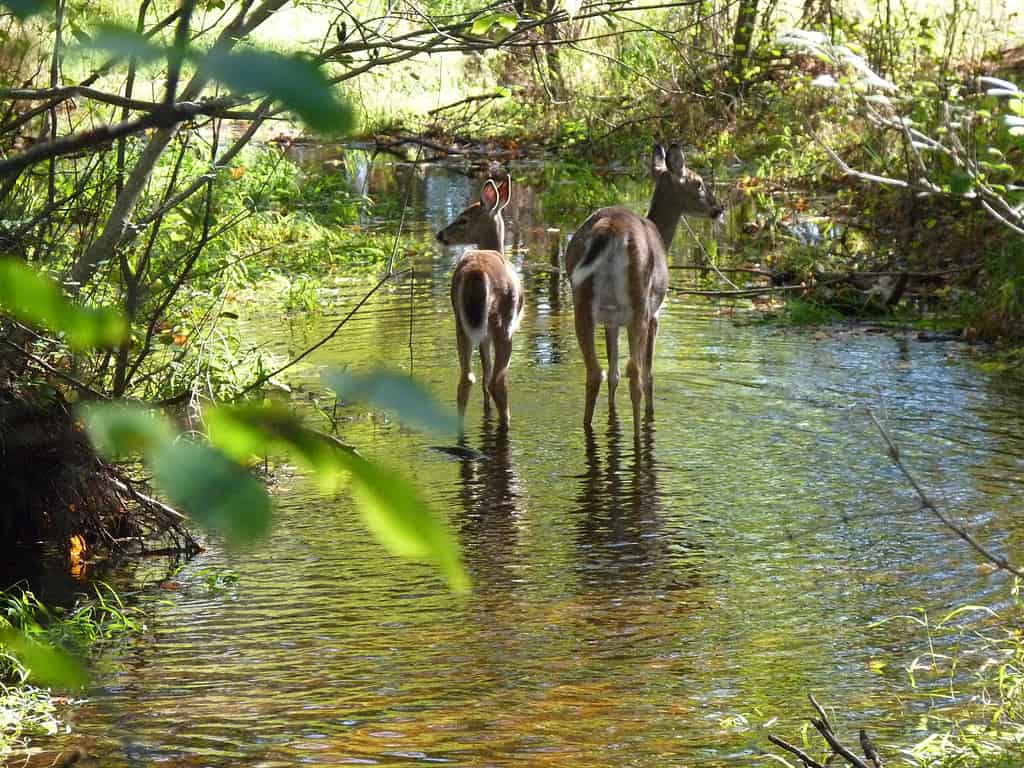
33	298
44	645
798	312
214	490
121	41
972	676
575	187
395	392
391	507
295	81
246	431
505	21
122	430
395	512
998	309
217	581
43	664
26	712
211	483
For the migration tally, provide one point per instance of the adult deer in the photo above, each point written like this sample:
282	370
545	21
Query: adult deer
617	262
487	296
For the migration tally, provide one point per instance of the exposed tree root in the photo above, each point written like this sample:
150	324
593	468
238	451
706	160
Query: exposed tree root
54	486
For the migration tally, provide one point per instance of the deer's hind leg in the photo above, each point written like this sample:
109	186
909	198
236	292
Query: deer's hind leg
584	317
498	382
652	335
485	367
464	346
636	369
611	342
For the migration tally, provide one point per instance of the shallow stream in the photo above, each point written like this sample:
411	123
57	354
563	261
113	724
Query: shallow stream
650	606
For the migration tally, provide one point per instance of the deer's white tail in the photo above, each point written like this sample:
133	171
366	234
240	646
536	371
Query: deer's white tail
473	303
599	246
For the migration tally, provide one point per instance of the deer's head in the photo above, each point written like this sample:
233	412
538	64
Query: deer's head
481	224
679	187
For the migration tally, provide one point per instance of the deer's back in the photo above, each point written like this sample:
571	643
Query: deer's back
506	293
622	265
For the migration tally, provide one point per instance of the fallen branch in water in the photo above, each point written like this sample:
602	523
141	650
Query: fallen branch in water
821	723
727	270
740	293
926	502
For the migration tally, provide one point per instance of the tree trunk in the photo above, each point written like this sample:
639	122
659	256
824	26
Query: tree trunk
742	39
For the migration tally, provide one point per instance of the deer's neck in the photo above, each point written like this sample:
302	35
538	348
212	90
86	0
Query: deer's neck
664	214
493	238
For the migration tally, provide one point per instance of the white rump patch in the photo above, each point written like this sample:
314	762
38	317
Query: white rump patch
585	270
611	300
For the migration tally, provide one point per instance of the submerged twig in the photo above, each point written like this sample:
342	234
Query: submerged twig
824	727
807	760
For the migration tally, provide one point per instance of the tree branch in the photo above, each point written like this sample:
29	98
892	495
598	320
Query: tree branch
75	142
894	454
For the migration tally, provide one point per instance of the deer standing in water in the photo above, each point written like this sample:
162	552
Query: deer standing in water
617	262
487	297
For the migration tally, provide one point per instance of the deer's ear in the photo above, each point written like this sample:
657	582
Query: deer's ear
489	196
676	160
504	193
658	161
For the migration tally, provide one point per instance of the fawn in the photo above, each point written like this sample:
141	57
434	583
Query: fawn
486	295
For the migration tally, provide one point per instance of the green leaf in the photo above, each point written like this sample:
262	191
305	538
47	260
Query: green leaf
47	665
409	399
296	81
22	9
202	481
390	505
507	21
36	299
126	43
252	430
120	429
401	520
483	25
213	490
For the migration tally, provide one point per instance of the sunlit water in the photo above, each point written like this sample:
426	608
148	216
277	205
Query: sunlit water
632	606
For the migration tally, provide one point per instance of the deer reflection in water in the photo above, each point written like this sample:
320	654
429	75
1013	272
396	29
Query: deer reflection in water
490	495
620	535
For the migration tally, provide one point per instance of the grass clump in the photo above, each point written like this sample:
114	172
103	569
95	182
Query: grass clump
969	690
27	710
